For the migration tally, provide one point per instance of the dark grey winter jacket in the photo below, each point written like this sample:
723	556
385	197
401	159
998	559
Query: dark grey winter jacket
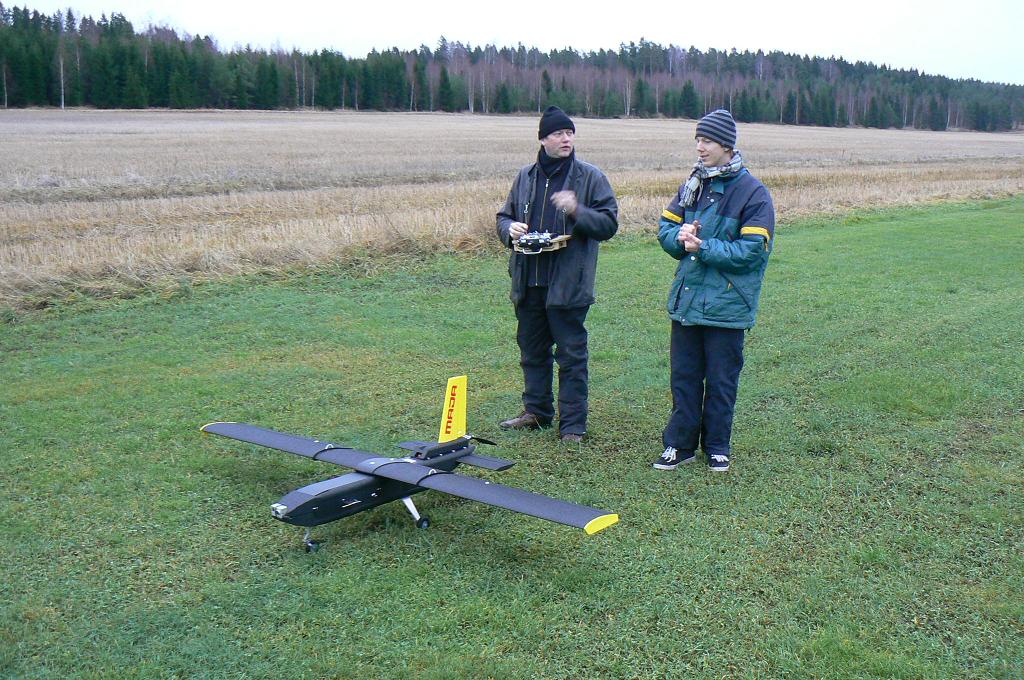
574	267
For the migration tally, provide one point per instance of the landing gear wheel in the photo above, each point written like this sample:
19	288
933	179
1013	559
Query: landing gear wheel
422	521
311	545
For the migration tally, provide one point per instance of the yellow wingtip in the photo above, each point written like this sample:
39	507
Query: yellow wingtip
599	523
216	422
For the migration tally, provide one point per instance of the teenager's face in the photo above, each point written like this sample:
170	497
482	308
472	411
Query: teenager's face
712	153
559	143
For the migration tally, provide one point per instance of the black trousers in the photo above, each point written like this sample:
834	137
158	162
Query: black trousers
540	328
706	363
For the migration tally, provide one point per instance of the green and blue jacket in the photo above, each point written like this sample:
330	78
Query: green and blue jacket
720	284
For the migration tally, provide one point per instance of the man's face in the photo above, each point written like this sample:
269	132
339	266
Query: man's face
559	143
712	153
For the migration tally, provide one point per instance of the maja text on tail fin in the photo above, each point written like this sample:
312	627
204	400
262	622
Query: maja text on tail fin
453	410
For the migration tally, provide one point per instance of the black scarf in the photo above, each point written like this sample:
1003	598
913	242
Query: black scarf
552	166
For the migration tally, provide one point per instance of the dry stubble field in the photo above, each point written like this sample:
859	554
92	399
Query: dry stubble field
107	201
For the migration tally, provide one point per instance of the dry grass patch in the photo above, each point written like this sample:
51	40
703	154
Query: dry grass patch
109	201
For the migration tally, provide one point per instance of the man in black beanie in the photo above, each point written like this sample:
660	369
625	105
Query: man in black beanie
552	290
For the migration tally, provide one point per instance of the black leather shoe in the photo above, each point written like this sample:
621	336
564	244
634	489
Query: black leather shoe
524	421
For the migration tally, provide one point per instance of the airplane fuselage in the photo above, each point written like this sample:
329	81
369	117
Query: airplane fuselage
338	497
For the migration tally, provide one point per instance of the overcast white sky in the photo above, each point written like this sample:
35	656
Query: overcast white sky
960	39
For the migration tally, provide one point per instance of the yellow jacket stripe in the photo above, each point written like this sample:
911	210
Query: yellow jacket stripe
756	231
671	216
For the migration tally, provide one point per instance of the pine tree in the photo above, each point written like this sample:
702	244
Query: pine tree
936	115
612	103
742	108
843	116
267	86
103	79
643	101
445	96
789	112
873	117
689	101
805	112
422	86
134	91
239	92
503	103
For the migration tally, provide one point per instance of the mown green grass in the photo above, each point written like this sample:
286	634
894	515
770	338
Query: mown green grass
871	525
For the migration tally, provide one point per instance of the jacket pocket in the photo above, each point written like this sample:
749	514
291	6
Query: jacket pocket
674	293
731	285
727	306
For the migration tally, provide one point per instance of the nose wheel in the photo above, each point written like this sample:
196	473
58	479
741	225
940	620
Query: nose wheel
310	545
422	521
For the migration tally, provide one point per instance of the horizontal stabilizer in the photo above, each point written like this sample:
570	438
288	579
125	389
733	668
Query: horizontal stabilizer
486	462
289	443
589	519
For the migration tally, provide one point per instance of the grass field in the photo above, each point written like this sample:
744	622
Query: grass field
871	526
102	203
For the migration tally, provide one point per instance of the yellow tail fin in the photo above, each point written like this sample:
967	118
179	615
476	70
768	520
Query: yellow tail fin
453	410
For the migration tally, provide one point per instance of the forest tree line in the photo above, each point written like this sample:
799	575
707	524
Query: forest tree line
66	60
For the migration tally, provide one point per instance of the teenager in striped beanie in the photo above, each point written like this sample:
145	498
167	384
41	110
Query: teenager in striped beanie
720	226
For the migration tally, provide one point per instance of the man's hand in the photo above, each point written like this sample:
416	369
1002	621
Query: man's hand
517	229
565	200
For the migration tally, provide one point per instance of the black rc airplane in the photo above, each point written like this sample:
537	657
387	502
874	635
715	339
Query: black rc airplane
380	479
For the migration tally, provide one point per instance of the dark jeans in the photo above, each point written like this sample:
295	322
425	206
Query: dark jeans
540	328
706	364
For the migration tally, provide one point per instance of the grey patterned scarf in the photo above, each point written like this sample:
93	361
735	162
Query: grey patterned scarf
693	185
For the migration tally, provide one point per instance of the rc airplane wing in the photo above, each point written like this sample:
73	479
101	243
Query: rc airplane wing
381	479
589	519
290	443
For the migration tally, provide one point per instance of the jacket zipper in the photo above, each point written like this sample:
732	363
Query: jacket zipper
543	208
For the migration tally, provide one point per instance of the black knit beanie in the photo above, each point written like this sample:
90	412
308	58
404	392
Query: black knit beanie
718	126
553	120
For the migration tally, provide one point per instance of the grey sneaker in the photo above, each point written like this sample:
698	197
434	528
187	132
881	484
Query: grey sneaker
718	463
671	458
